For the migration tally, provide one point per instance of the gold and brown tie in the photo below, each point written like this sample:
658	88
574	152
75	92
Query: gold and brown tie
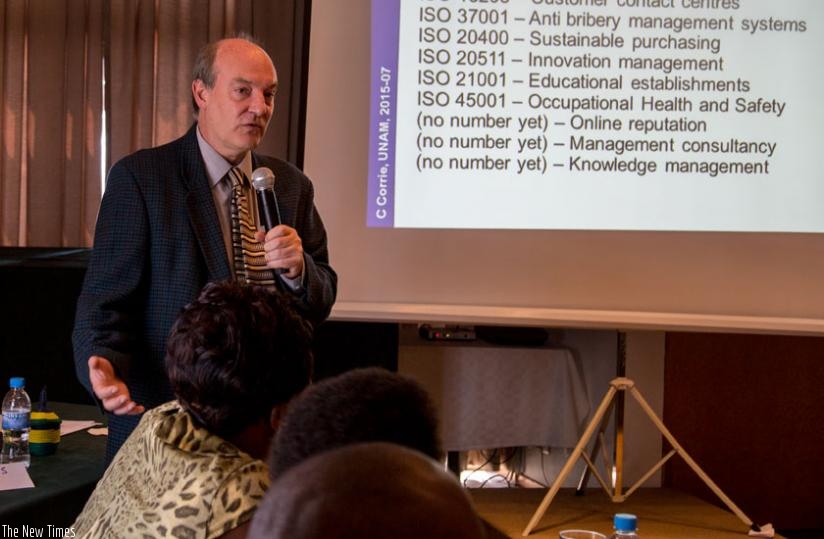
249	261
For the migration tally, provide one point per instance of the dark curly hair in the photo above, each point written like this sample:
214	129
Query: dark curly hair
361	405
236	352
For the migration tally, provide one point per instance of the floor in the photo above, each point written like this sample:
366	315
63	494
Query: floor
662	513
508	501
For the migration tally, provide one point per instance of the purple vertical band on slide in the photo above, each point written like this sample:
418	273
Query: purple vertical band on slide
382	113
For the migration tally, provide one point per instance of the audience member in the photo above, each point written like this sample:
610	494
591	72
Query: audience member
370	490
193	467
361	405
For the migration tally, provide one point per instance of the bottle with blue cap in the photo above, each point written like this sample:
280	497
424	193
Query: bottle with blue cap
626	526
16	423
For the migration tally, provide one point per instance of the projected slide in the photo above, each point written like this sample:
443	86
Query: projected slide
693	115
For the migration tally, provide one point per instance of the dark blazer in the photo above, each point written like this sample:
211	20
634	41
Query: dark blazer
157	243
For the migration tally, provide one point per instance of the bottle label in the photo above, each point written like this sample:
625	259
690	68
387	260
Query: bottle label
15	420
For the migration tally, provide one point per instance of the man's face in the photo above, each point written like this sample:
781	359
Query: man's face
235	113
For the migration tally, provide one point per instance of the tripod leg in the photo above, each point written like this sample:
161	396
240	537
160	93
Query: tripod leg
618	452
573	458
692	464
582	482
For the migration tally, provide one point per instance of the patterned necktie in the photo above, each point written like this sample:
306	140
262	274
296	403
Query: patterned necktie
249	262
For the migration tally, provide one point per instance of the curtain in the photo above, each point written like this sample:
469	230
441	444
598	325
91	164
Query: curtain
50	57
86	82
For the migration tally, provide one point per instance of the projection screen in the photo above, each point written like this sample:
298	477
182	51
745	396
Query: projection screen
602	163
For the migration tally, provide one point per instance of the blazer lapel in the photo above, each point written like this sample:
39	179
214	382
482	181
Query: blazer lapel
202	211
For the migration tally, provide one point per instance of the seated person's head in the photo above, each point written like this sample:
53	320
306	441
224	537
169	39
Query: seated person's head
362	405
236	355
374	490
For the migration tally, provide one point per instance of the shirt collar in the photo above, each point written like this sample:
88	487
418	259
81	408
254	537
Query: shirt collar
216	165
176	428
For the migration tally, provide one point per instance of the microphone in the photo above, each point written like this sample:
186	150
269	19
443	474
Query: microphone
263	180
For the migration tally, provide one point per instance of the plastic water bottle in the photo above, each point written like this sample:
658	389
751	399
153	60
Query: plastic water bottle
626	526
16	423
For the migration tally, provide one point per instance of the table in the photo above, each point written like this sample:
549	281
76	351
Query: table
63	481
493	396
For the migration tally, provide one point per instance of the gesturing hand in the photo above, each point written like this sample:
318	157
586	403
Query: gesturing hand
110	389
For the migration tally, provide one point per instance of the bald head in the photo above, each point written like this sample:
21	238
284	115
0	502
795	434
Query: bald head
371	490
233	92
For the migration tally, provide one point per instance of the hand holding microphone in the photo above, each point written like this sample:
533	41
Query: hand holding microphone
284	247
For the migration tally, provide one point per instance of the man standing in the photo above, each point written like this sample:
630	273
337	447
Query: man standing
168	225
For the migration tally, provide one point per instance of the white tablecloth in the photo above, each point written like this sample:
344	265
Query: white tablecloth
491	397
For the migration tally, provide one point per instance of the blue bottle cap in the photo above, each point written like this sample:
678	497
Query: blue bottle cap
17	382
625	522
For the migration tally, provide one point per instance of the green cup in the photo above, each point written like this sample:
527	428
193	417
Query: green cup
44	435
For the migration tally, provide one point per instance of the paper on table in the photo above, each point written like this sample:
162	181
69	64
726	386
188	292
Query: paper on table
14	475
68	426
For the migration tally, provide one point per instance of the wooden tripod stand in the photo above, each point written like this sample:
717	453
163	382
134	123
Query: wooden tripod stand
599	420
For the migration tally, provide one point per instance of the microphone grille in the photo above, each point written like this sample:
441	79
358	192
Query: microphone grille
263	178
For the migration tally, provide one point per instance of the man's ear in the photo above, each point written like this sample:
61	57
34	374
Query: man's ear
277	415
199	92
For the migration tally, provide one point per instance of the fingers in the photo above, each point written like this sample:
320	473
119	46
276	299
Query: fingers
102	377
284	249
112	392
113	398
280	236
130	408
121	404
115	402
